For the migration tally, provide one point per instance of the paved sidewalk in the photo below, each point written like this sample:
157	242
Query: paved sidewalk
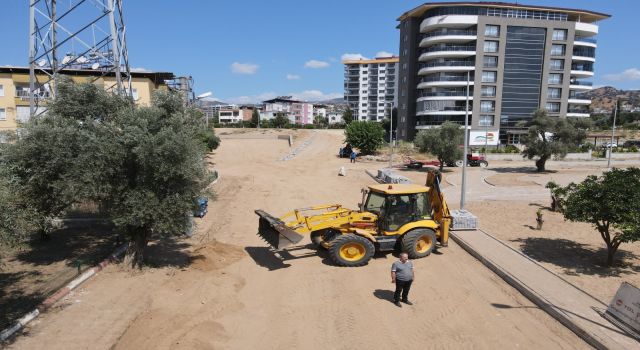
573	307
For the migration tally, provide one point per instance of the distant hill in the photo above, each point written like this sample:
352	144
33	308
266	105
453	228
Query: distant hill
333	101
604	98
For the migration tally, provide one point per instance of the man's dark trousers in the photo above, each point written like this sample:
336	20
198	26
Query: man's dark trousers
402	287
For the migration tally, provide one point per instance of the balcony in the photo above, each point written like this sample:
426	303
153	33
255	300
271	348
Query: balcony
588	42
448	21
446	66
447	51
577	112
586	29
444	95
582	69
580	85
578	98
584	54
453	110
446	80
448	35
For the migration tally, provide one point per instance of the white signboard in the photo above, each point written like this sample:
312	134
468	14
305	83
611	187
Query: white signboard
625	306
477	138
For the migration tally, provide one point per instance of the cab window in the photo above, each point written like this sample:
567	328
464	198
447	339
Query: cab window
375	203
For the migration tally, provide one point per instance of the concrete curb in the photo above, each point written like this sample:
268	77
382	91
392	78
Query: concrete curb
24	320
531	294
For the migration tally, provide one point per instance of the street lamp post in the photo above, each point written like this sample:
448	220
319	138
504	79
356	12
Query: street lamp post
613	132
466	145
391	137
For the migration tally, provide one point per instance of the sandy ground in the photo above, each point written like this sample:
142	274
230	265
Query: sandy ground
224	289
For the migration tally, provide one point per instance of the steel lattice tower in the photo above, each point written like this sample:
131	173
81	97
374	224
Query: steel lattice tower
75	35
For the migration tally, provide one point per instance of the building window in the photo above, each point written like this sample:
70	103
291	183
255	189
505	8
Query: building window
487	106
554	93
486	120
381	92
559	34
491	30
3	114
364	85
364	105
381	78
134	94
490	46
364	79
489	77
364	98
488	91
555	78
557	64
553	107
490	61
558	49
1	90
404	66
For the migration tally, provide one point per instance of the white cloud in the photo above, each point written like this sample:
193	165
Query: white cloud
306	95
627	75
384	54
244	68
293	77
353	57
316	64
332	59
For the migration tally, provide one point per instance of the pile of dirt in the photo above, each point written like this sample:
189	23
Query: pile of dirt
215	255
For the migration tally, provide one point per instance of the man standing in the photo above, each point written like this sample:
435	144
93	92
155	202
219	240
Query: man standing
402	275
352	156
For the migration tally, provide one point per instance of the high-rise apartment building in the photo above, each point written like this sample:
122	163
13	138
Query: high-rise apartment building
370	87
518	58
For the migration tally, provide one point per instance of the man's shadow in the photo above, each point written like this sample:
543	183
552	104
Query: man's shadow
384	294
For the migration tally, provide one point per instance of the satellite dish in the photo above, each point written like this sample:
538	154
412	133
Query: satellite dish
206	94
95	66
42	62
81	59
66	59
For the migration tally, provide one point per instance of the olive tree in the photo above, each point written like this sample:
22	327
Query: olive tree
549	136
443	142
608	202
144	164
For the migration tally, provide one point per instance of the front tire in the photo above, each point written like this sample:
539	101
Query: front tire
484	164
419	243
317	237
351	250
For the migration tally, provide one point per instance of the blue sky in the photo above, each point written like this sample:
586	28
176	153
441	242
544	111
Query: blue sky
247	51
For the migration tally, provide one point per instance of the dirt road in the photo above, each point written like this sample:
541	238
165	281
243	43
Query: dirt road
235	294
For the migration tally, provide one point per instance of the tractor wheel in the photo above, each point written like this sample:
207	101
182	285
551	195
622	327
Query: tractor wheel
317	237
484	164
419	243
351	250
459	163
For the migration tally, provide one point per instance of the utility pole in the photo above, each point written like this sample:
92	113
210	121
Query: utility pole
613	132
466	145
391	137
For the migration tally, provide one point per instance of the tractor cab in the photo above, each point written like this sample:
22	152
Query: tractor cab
396	205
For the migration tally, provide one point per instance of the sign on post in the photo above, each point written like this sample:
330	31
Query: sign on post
625	308
477	138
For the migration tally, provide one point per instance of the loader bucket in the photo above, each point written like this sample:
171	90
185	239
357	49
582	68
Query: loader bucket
275	232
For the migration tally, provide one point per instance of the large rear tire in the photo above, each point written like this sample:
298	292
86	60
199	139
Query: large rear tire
351	250
419	243
459	163
483	164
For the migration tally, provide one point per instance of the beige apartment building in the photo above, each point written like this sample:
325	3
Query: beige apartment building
14	90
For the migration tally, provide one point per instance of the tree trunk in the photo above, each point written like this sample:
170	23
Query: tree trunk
441	164
553	203
134	256
541	162
611	251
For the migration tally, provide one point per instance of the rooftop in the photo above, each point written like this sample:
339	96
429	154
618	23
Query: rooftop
156	77
392	59
574	14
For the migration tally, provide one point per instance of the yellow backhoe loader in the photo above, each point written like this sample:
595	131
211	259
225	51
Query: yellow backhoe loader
407	217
